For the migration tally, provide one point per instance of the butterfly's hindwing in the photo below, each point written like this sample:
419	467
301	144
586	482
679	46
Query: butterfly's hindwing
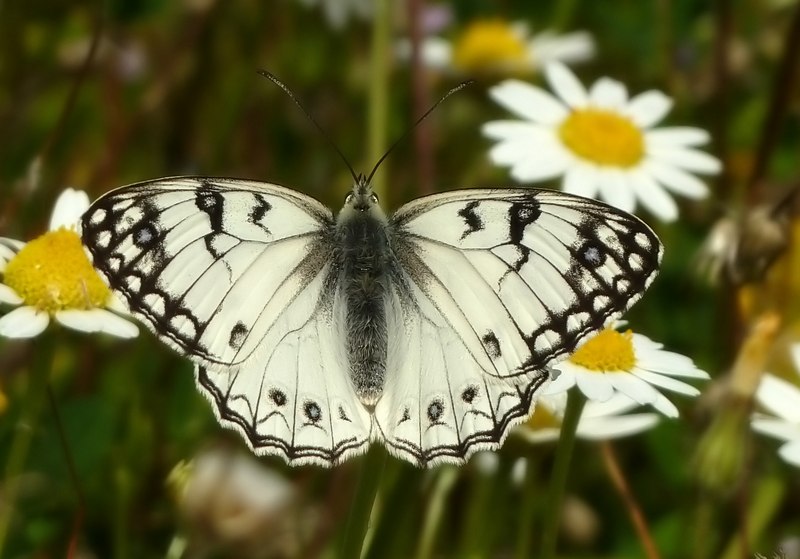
295	400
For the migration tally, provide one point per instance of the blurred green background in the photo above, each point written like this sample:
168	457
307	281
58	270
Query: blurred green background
172	89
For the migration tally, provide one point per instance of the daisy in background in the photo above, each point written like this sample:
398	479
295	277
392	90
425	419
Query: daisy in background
599	420
626	363
782	399
338	12
495	46
51	277
600	141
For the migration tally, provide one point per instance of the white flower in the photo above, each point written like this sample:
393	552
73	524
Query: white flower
231	499
601	142
337	12
632	364
497	46
51	277
598	421
782	400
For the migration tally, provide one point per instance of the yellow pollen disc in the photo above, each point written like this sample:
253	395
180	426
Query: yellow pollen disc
53	273
603	137
543	418
489	45
608	351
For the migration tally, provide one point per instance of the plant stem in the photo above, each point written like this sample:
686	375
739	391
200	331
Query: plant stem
446	477
369	476
638	519
529	494
379	90
26	429
558	482
767	498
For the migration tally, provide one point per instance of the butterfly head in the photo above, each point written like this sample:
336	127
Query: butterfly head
362	200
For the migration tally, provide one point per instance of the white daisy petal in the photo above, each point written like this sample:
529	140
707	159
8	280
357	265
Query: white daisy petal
614	189
633	387
614	427
653	196
776	428
9	296
606	93
664	406
677	180
687	159
561	383
667	383
677	136
566	85
795	351
24	322
594	386
529	102
69	207
571	48
97	320
515	129
541	165
435	53
790	452
648	108
617	404
779	397
581	179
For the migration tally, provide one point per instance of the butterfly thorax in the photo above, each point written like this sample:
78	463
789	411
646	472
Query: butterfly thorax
365	260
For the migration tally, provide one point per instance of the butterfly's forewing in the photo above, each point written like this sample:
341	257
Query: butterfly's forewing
236	276
509	281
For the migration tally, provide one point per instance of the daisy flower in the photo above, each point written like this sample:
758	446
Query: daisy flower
338	12
601	142
51	277
782	399
623	362
488	46
598	421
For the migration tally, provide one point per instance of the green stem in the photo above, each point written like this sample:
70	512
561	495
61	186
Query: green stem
529	495
379	90
558	482
767	498
369	477
445	479
26	429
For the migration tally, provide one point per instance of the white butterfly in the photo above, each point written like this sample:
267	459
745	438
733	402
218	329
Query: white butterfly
313	334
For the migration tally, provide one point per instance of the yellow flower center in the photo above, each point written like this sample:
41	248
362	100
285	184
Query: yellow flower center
489	45
53	273
608	351
603	137
543	418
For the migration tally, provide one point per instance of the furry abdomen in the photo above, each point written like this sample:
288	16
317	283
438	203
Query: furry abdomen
365	261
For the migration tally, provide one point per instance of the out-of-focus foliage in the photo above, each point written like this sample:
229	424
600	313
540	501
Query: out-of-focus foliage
172	89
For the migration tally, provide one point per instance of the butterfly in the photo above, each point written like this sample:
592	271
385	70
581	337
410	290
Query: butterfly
314	334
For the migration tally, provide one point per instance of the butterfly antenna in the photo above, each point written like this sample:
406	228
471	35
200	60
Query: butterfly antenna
405	134
293	97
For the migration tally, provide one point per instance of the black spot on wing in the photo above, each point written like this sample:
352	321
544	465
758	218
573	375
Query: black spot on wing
435	410
312	411
278	397
259	212
210	201
469	393
491	344
238	333
521	214
471	219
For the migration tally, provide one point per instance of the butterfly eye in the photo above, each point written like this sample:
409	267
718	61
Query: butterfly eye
374	198
348	198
